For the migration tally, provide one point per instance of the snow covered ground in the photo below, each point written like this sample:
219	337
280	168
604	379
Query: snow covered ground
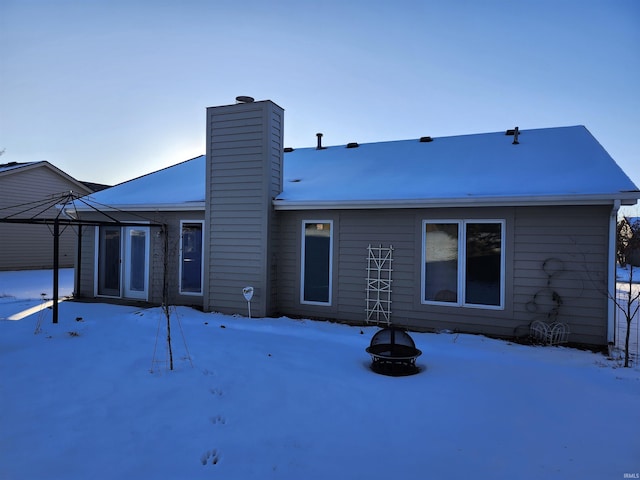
293	399
623	276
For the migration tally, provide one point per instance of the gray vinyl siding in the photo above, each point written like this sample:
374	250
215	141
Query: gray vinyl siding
244	164
31	246
576	235
156	258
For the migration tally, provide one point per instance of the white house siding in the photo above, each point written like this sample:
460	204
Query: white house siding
244	164
572	234
31	246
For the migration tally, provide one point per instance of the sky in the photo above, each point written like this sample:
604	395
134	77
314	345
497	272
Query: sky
111	90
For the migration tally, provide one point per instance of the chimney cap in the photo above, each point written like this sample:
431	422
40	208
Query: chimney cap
245	99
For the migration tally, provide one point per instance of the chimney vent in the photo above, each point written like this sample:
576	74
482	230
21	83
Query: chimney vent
353	145
244	99
426	139
319	147
515	132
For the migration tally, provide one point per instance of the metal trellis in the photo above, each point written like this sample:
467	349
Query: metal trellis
379	270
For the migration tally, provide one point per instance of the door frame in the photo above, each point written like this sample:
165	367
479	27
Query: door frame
127	267
124	270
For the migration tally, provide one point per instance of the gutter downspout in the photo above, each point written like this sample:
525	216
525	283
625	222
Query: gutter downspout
611	282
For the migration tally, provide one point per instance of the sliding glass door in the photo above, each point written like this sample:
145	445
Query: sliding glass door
123	262
136	266
108	261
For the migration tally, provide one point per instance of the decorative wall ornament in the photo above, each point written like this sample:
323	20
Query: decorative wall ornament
546	303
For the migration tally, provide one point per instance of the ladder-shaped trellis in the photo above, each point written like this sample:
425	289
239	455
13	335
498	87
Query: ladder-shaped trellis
379	268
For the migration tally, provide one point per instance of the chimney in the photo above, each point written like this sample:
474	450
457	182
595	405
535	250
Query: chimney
244	161
516	132
319	147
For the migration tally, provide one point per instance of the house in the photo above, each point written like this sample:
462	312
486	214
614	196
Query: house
475	233
27	190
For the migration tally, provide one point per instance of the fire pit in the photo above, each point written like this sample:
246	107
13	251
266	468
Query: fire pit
393	352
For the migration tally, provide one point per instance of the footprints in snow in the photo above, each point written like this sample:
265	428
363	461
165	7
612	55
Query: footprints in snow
218	419
212	455
216	392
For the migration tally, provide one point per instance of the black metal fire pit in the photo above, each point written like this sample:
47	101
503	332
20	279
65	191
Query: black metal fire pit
393	352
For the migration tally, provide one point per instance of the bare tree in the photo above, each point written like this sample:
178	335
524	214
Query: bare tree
170	250
629	306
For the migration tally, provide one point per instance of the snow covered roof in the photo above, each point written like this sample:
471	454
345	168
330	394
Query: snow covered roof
551	165
5	167
179	186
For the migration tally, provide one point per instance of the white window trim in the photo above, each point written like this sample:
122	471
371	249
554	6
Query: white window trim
96	260
201	292
96	265
126	257
302	262
462	253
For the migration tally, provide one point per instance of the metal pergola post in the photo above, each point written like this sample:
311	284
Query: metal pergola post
56	223
56	267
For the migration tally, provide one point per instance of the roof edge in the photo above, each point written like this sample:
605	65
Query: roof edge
83	189
163	207
626	198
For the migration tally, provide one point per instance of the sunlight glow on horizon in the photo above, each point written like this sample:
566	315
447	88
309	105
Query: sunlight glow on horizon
108	91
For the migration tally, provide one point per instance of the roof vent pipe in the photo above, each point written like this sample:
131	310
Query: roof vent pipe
516	132
319	147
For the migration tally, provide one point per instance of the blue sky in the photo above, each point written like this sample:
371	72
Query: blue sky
110	90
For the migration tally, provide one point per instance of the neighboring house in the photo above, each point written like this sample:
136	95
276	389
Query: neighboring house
26	190
486	232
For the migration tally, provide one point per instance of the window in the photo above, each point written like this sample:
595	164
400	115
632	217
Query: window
464	263
191	257
317	249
